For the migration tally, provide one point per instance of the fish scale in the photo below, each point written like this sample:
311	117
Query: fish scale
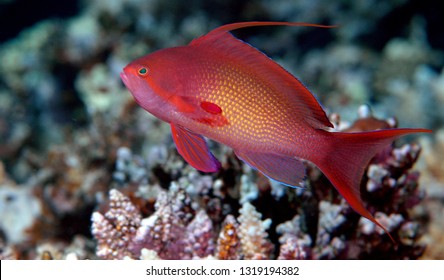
244	109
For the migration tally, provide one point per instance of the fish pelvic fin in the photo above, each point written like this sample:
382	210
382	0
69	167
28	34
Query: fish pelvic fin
346	157
194	149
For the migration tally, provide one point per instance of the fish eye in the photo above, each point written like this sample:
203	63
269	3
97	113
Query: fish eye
142	71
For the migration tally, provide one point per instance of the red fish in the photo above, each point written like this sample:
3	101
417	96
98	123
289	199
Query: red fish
226	90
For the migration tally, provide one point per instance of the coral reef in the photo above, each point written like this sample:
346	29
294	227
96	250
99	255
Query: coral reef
180	228
86	174
176	231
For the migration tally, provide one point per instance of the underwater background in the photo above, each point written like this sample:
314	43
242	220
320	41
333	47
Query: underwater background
87	174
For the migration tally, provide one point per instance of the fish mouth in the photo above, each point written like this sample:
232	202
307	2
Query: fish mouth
124	78
136	87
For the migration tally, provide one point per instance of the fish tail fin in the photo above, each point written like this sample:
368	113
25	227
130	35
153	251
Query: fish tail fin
347	155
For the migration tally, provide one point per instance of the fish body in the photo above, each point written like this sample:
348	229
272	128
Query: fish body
226	90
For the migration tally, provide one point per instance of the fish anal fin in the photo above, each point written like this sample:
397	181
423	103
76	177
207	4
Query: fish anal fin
194	149
287	170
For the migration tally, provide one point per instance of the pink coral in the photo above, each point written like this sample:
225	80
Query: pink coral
164	231
115	230
200	236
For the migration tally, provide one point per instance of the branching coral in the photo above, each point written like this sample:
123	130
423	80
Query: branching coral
164	231
200	236
171	233
116	229
295	244
228	243
253	235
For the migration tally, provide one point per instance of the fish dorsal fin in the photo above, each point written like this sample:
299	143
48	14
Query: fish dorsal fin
286	170
193	148
224	29
303	102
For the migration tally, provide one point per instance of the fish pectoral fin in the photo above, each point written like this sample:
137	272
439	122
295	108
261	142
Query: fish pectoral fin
286	170
194	149
183	104
201	111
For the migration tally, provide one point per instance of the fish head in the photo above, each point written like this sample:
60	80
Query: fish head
152	82
158	83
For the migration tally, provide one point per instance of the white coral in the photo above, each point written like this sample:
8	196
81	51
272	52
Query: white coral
253	233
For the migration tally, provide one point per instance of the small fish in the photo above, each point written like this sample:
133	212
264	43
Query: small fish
226	90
